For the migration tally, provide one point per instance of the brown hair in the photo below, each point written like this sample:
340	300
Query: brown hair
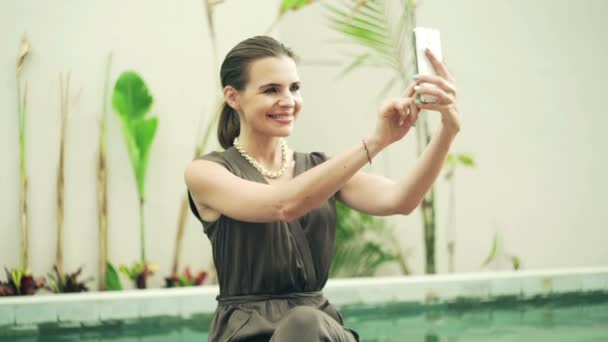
235	73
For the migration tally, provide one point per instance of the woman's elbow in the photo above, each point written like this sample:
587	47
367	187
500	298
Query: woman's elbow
293	209
289	213
406	208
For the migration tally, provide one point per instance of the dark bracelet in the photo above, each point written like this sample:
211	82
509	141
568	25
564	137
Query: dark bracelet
367	151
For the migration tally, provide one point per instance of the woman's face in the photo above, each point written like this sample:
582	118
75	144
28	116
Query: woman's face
271	100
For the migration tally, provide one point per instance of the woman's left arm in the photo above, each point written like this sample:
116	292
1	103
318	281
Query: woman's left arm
378	195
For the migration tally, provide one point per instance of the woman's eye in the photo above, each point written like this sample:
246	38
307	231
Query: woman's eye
295	87
270	90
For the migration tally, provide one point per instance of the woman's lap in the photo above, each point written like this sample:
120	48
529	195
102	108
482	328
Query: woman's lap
308	324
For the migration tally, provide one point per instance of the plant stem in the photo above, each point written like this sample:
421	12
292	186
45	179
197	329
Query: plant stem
451	229
64	107
428	212
22	112
142	231
102	184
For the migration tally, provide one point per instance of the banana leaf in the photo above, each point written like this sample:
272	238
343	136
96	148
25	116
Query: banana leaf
132	101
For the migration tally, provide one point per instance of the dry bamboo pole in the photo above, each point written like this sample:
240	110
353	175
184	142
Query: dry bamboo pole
25	49
102	184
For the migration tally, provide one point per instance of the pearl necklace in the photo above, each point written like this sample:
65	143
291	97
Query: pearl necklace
258	166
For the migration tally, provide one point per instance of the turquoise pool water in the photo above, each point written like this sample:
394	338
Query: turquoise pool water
571	318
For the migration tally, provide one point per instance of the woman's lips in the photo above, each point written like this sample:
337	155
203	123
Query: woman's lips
281	118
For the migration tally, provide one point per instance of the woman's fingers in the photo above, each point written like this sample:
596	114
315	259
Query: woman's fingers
402	107
439	66
413	113
443	98
405	110
440	82
409	92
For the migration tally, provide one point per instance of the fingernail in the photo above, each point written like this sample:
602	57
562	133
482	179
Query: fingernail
416	88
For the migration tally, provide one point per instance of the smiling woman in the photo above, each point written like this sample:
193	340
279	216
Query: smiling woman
270	212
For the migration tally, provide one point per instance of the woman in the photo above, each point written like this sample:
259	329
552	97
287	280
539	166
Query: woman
270	213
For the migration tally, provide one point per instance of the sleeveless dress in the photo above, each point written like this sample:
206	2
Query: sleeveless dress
266	269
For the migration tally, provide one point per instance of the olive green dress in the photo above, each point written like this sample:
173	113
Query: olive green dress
266	269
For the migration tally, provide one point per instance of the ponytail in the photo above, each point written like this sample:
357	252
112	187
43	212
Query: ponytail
229	126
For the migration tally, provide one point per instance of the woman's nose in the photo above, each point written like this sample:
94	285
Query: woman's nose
287	100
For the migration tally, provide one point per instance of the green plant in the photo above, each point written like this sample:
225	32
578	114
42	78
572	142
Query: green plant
67	283
451	164
112	282
363	244
132	102
285	7
498	254
383	39
139	273
20	282
186	279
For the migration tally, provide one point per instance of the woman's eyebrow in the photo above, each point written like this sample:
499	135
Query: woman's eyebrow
276	84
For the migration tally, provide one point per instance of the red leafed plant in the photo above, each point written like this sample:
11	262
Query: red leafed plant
20	282
186	279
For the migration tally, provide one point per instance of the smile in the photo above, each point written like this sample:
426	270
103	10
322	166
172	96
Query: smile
281	118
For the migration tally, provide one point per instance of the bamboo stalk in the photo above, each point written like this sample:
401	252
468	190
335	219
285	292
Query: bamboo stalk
102	185
451	228
179	237
64	108
24	50
183	213
423	138
23	177
200	149
65	114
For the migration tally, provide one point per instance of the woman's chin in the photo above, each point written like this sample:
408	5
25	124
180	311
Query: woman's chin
283	132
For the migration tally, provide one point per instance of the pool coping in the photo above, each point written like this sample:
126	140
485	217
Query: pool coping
26	313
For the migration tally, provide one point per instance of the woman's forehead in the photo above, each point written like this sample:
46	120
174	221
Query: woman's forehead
276	70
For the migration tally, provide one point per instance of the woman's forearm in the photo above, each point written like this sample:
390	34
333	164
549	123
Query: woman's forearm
412	188
308	190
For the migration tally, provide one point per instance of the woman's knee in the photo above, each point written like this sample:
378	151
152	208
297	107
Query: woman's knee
304	318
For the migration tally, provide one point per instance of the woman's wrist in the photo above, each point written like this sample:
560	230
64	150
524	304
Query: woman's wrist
448	132
373	145
450	122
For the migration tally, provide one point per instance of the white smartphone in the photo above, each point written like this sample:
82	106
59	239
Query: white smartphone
426	38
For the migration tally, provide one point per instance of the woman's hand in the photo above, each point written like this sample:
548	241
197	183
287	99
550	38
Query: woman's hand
444	92
396	117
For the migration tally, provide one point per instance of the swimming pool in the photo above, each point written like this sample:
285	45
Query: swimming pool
565	318
524	306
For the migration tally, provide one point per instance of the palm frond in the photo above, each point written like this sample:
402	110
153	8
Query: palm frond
363	244
368	25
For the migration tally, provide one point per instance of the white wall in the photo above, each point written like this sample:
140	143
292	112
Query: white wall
168	44
531	77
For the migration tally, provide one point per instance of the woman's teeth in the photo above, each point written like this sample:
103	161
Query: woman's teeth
281	116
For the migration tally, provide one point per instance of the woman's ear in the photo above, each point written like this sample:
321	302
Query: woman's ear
231	96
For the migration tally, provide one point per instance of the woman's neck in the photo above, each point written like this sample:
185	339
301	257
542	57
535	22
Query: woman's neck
266	150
